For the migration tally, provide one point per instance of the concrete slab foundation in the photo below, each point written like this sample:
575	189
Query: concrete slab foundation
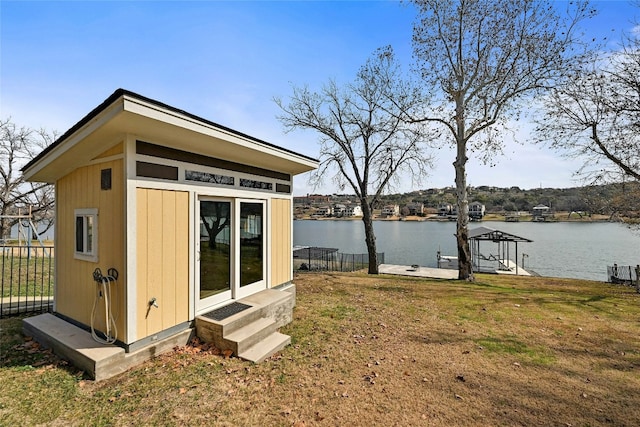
98	360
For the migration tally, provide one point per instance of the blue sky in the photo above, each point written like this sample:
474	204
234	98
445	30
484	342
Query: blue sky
225	61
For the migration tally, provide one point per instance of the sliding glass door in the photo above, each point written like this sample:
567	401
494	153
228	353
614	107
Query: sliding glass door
230	250
214	251
251	247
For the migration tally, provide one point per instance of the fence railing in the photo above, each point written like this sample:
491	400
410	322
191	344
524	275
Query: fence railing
624	274
26	282
329	259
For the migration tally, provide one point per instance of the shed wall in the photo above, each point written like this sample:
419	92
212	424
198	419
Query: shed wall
281	241
75	289
113	151
162	259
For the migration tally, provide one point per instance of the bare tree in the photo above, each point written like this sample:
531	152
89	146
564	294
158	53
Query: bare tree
18	145
596	116
365	144
215	217
483	60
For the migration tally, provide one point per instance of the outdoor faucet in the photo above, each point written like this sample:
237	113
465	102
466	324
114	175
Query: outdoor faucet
152	302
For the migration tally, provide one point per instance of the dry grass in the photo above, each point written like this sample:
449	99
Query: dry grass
376	351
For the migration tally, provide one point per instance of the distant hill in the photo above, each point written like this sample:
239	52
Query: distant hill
609	199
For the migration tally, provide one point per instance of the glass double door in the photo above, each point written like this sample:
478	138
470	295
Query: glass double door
230	250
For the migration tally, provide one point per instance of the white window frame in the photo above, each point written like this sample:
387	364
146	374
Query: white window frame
88	234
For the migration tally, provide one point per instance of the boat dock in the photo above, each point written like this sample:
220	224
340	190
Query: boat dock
507	266
418	271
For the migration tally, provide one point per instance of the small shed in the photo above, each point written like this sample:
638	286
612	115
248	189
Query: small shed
179	215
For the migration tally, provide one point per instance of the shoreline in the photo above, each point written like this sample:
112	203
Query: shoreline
490	217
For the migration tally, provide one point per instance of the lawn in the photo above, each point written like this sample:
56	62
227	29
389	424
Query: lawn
26	271
374	351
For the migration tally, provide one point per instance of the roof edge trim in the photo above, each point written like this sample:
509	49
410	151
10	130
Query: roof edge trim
127	93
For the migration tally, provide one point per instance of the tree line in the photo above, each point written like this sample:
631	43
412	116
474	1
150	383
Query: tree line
613	200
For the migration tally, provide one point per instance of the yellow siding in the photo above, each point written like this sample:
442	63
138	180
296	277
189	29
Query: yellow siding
281	235
142	256
162	259
113	151
75	288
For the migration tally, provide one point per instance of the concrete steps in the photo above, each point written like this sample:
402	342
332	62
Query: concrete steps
267	347
252	334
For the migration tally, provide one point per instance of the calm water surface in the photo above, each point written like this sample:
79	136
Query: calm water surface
561	249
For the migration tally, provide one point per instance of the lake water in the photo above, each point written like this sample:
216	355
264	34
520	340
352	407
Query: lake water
560	249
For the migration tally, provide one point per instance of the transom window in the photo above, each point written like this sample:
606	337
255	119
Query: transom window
212	178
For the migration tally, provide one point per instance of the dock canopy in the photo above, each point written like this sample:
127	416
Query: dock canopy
502	258
486	233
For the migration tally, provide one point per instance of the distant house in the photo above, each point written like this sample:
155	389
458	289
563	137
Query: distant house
391	210
415	208
541	209
339	209
445	209
325	211
541	213
353	211
476	210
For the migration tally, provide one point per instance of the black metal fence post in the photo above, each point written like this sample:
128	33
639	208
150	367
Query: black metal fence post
624	275
329	259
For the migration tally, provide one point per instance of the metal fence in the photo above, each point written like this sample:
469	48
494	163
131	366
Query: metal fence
624	274
329	259
26	285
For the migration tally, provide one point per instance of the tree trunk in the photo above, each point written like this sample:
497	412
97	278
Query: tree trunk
369	237
5	229
213	229
465	271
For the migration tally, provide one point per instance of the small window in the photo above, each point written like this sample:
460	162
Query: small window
208	177
252	183
86	234
105	179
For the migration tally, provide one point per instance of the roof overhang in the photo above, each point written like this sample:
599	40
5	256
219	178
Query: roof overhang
126	113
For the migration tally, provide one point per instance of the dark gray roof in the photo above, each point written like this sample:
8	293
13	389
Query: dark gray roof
120	92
